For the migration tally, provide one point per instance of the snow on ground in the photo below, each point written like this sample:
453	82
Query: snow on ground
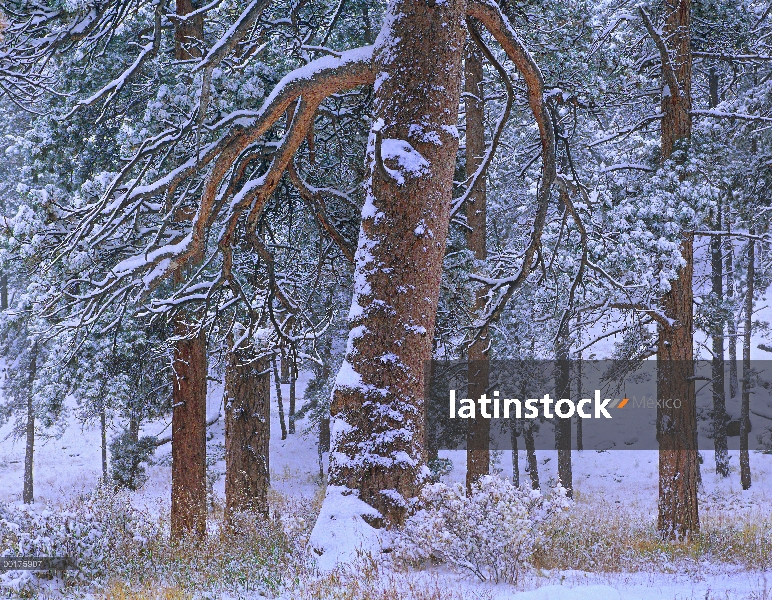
71	464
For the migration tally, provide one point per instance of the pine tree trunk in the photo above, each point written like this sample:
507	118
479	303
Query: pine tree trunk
563	426
28	496
530	449
134	426
677	427
3	291
745	414
719	416
293	378
478	440
188	515
247	432
515	455
377	406
579	430
103	436
285	369
187	33
279	401
734	384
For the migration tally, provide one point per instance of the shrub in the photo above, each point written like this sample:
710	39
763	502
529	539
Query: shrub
491	532
96	531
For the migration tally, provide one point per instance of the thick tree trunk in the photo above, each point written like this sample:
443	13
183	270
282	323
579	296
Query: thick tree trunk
677	427
28	495
478	440
188	33
247	432
279	401
745	414
563	426
377	405
188	515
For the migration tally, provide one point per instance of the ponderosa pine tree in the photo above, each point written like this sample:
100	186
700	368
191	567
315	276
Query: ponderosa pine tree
478	442
677	427
247	429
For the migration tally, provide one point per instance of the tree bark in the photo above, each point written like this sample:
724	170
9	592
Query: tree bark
515	455
188	514
579	428
719	416
745	423
103	435
188	33
478	439
293	378
377	405
677	427
247	432
28	496
3	291
280	402
734	385
530	449
563	426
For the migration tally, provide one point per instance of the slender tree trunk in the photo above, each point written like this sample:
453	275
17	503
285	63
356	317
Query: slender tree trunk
134	426
285	369
515	455
103	435
377	406
478	441
324	420
530	449
188	514
292	390
719	416
677	427
579	430
563	426
280	402
247	432
745	414
29	451
734	385
3	291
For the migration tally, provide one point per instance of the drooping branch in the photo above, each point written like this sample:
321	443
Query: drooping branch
504	76
314	200
490	15
313	82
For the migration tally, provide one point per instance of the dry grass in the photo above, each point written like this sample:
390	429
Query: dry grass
602	537
120	591
370	580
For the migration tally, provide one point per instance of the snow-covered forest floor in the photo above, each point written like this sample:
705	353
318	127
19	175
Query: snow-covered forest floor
613	518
